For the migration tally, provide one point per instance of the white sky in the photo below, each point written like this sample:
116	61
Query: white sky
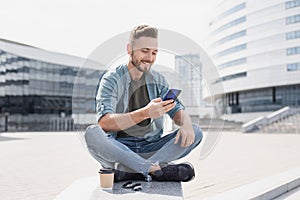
77	27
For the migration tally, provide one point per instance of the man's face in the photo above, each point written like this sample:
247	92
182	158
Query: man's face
143	53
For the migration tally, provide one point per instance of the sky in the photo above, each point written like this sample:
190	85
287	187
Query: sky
77	27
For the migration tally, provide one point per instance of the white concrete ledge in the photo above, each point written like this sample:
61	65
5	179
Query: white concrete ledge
89	189
265	189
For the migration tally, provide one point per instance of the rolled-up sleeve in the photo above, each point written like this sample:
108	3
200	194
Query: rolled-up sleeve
178	106
106	99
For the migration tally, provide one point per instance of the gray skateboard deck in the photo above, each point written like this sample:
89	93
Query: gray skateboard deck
89	189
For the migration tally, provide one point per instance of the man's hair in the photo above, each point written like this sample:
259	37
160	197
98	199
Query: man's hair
143	31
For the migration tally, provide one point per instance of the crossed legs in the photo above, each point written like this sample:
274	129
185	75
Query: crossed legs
108	151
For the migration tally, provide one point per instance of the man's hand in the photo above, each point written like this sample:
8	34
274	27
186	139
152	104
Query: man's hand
157	107
186	132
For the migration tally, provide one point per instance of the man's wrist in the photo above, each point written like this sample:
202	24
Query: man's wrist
139	115
145	113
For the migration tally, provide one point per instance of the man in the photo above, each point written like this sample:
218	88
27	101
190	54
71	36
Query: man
130	113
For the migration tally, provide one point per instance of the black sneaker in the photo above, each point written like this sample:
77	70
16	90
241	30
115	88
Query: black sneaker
175	172
126	176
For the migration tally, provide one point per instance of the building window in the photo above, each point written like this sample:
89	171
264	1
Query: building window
230	24
233	98
229	12
292	4
232	76
232	50
232	37
293	67
292	35
233	62
293	51
292	19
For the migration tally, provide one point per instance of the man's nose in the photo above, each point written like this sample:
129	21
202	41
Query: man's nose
150	57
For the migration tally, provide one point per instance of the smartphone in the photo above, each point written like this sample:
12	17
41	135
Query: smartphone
172	94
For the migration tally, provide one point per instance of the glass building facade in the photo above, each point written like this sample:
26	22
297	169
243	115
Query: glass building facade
262	100
36	94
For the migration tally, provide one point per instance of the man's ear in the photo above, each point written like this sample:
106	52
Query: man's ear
129	48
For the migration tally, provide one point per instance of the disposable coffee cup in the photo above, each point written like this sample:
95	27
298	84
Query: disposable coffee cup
106	178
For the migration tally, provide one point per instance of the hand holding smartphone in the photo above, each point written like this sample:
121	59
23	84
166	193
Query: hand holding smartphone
172	94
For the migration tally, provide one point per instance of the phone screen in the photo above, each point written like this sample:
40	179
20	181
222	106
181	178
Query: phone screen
172	94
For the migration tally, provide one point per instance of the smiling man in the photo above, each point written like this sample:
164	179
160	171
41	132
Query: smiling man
130	109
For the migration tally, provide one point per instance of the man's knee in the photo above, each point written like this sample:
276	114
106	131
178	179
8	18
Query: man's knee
198	133
92	133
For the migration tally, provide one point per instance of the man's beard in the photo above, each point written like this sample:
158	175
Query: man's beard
138	67
137	63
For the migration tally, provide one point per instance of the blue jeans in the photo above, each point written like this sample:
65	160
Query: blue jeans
134	153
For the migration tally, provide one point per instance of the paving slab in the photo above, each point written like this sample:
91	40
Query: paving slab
39	166
89	189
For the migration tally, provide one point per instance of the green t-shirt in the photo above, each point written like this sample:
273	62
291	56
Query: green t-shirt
138	98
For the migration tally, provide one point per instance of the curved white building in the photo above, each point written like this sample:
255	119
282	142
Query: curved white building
256	47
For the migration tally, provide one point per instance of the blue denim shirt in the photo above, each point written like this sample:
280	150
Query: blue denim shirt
112	96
